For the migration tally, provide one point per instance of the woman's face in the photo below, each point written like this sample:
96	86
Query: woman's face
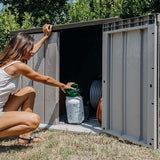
28	55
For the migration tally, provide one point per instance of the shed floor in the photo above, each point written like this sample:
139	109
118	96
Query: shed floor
90	125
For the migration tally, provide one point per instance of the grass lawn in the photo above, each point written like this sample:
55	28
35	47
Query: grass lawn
64	145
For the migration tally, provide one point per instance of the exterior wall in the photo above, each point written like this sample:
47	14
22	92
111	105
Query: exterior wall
130	72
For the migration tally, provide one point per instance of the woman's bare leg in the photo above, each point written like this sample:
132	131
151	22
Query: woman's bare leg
15	123
23	98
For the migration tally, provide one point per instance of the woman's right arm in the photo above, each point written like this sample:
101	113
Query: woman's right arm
47	30
28	72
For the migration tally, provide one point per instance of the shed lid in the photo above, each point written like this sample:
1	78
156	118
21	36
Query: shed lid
69	26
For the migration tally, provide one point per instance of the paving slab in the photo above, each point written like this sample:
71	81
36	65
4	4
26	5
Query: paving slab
88	126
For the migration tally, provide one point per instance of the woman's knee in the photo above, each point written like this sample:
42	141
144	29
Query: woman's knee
34	121
30	90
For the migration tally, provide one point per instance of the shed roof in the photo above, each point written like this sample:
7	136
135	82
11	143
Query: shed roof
69	26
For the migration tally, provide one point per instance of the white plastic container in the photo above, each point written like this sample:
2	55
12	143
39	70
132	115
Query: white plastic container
75	109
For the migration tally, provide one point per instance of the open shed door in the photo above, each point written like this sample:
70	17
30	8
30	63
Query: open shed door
130	80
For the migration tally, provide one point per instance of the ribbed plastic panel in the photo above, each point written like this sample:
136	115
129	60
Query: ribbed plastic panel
130	22
130	76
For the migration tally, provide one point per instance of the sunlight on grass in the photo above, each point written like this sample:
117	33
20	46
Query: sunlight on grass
64	145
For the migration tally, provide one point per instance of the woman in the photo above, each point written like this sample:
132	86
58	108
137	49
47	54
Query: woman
12	122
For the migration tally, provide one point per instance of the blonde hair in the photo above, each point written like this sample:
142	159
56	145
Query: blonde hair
18	46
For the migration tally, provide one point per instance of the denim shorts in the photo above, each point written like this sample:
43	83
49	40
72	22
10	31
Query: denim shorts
1	111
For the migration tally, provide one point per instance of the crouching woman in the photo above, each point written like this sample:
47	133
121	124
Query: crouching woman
12	64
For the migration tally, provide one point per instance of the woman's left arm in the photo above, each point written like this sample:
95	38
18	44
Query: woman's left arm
47	29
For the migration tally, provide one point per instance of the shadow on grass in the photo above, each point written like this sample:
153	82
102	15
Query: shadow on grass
10	148
15	147
6	139
122	140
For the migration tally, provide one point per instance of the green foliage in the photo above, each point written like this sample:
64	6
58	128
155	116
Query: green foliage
130	8
155	5
67	11
84	10
9	23
27	21
48	11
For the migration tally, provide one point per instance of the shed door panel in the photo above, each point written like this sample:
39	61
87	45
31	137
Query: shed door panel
46	62
38	66
116	78
133	83
130	102
52	69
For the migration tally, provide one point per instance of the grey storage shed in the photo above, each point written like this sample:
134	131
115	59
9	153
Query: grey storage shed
124	54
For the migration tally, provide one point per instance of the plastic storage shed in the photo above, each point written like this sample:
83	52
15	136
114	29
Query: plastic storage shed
124	52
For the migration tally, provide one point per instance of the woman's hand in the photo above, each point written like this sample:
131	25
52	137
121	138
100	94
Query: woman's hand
67	86
47	29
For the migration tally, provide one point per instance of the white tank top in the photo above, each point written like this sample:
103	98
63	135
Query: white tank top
8	84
